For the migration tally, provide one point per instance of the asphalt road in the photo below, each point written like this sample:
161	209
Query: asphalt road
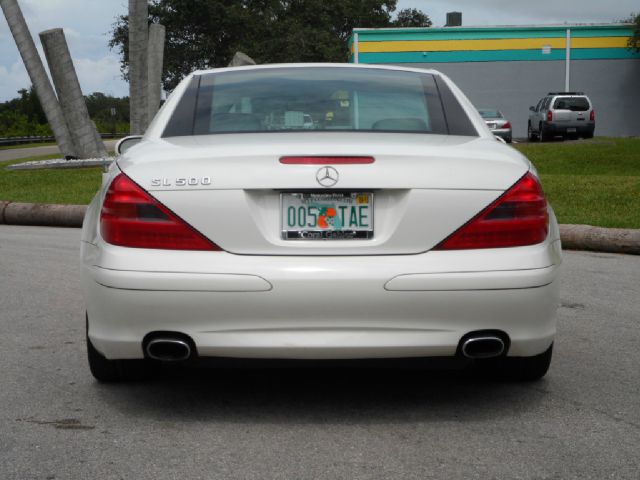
582	421
18	153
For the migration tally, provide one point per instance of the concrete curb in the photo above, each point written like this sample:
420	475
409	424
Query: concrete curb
574	237
60	163
598	239
46	215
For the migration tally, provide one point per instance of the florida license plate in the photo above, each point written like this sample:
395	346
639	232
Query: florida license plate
327	216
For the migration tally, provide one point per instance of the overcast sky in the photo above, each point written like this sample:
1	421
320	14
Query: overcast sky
87	24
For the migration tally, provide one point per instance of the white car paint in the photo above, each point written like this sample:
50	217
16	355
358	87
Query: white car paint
264	297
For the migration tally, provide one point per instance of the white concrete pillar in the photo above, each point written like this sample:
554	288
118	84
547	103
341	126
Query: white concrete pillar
38	76
356	48
240	59
138	44
154	69
82	129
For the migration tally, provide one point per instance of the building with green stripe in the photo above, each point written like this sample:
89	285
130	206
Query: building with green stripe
511	68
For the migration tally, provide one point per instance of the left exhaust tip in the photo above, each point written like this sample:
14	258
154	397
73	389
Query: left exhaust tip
168	349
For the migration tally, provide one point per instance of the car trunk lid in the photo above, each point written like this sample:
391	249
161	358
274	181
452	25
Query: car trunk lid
231	187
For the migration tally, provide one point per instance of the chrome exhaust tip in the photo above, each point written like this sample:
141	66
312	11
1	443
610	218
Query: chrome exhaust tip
168	349
486	346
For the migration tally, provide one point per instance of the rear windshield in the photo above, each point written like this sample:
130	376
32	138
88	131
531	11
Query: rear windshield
314	99
575	104
486	113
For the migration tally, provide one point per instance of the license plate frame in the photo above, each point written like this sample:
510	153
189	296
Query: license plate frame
571	130
327	200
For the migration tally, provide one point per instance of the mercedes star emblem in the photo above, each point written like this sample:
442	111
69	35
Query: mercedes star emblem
327	176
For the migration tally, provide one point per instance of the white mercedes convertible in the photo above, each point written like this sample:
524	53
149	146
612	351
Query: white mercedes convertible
319	211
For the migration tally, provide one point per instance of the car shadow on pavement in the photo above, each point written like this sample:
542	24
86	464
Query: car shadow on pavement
322	395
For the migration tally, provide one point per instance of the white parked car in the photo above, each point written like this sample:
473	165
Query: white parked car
397	227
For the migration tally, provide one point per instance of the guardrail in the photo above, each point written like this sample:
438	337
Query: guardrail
8	141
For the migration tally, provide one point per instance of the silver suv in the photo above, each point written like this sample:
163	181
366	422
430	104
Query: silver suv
566	114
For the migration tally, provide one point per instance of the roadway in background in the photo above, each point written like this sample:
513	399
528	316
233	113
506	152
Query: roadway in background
18	153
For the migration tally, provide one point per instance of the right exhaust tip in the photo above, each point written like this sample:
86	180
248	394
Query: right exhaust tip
168	349
485	346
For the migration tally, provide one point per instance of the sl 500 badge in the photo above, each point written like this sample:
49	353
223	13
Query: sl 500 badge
181	182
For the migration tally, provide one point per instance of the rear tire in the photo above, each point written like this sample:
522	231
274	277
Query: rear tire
108	371
543	136
518	369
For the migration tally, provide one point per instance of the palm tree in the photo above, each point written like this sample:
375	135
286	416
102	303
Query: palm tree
38	76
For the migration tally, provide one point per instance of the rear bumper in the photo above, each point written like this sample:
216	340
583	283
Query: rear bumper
504	133
570	129
321	307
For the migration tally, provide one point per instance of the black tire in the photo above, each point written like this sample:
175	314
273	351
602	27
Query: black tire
588	135
509	139
530	134
543	136
109	371
519	369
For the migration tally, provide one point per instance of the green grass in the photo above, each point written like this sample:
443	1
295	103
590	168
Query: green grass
593	182
67	186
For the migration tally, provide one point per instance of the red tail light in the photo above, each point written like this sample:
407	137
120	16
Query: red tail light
506	125
592	116
549	116
131	217
519	217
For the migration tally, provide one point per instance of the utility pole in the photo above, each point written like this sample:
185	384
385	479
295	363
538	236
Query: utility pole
113	112
567	66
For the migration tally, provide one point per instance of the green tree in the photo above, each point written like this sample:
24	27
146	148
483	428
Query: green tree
23	116
206	33
99	106
412	17
29	105
26	104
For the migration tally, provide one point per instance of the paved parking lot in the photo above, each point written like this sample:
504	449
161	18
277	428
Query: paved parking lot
581	421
